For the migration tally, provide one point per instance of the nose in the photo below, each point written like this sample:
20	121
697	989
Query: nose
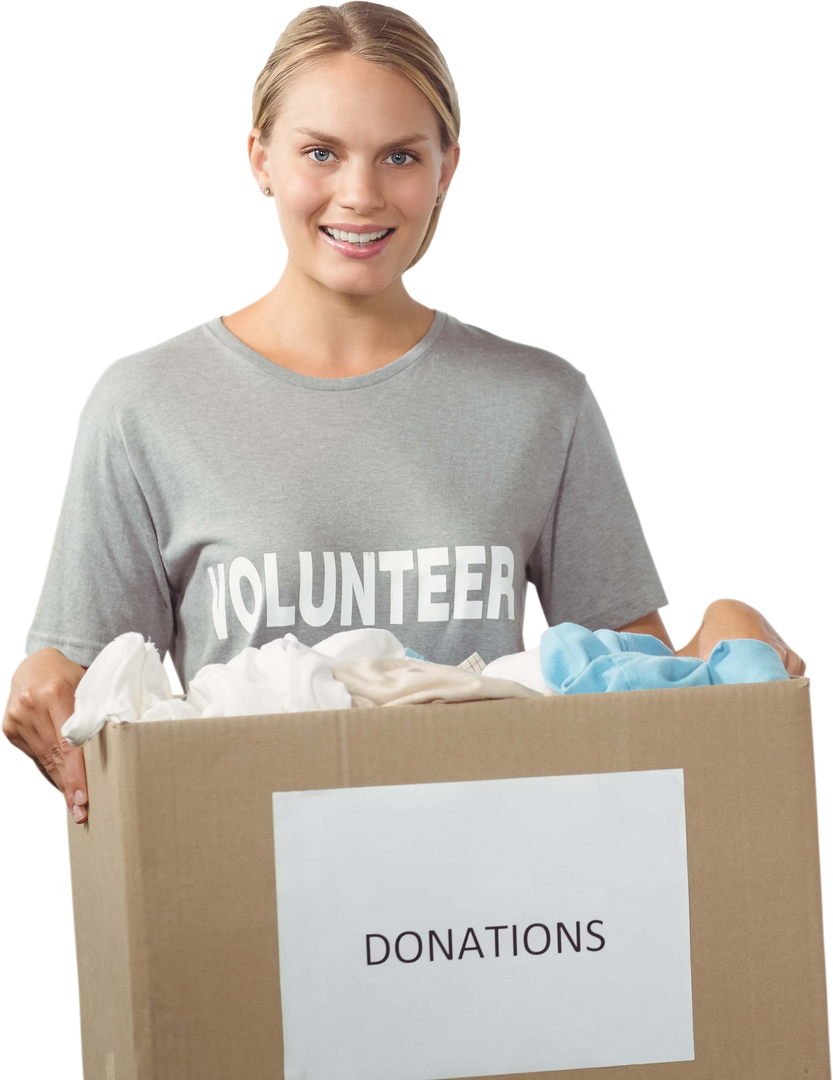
360	189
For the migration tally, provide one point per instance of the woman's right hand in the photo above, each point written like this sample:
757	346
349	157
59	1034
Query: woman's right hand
42	698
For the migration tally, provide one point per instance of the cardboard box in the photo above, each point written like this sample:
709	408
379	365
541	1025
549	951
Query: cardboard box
176	903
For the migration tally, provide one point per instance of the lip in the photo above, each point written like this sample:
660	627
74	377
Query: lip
357	251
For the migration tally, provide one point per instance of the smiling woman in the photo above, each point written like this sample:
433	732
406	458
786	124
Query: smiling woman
337	453
357	143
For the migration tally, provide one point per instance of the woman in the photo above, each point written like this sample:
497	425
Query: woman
336	453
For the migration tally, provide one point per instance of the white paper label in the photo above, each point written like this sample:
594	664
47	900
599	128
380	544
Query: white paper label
431	931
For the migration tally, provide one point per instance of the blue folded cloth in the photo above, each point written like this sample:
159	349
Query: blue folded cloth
412	654
575	660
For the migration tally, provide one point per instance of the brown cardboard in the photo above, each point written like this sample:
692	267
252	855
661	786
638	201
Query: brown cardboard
174	878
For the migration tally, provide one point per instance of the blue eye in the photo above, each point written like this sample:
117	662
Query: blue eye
393	154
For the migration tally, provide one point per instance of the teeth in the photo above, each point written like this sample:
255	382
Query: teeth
356	238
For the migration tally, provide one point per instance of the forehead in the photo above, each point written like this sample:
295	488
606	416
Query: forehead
356	100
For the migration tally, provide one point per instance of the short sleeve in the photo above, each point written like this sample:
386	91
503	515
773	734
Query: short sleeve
105	574
591	564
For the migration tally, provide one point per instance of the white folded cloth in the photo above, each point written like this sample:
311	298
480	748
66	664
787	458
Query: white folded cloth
523	667
127	681
282	676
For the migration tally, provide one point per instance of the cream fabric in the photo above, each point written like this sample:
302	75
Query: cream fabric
384	680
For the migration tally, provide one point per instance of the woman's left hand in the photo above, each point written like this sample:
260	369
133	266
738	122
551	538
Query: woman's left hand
727	619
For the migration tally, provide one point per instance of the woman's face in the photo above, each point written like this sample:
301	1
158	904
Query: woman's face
355	146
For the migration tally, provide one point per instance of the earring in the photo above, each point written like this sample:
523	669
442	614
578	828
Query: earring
439	198
266	190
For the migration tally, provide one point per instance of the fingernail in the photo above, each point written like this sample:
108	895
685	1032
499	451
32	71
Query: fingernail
80	797
78	813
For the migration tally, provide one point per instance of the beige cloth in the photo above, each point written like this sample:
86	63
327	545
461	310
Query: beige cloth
388	680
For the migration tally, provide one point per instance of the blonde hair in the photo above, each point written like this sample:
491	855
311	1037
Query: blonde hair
383	35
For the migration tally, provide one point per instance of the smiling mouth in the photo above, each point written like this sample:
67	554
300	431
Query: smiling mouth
353	238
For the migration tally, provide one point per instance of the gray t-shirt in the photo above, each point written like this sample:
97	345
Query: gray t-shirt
217	500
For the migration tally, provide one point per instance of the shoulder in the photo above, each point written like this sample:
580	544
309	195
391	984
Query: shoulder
534	372
142	381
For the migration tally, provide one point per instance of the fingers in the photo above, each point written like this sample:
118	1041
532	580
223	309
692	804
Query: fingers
41	700
794	664
33	722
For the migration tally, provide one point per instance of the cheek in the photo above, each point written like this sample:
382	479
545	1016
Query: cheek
300	191
415	195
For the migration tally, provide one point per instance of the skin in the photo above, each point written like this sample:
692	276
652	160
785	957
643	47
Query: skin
328	315
723	620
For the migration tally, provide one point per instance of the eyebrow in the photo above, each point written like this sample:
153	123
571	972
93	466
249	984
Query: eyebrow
322	136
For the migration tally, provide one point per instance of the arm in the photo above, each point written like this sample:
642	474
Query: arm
724	618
